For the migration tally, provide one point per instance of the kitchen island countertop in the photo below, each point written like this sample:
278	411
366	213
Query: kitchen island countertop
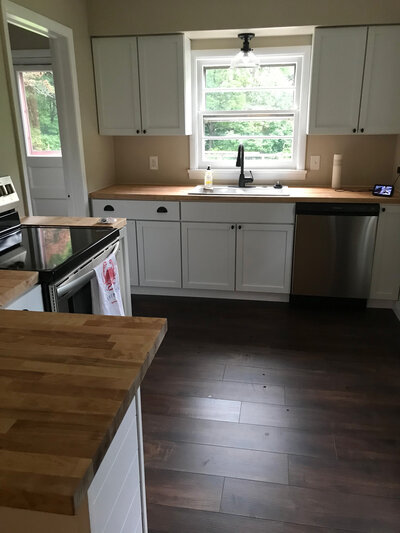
14	283
66	382
180	193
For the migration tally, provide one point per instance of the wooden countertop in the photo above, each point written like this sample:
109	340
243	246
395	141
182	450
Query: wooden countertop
178	193
72	221
66	382
14	283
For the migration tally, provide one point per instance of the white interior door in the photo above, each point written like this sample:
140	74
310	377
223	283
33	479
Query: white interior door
39	117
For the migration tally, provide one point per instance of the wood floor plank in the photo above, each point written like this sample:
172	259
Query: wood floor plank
172	520
308	418
358	445
162	369
247	436
310	507
184	489
217	460
360	396
225	390
208	408
372	478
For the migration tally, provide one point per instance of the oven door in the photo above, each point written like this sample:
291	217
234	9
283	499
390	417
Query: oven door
73	293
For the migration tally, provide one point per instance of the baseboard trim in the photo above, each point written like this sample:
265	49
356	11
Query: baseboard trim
227	295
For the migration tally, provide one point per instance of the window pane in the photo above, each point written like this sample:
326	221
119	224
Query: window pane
40	113
255	149
250	127
266	76
272	99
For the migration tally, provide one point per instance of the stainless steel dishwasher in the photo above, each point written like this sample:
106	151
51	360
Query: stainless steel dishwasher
333	250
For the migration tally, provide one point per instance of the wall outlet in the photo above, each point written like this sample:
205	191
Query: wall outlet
153	160
315	161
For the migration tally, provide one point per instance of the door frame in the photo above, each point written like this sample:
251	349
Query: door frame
63	54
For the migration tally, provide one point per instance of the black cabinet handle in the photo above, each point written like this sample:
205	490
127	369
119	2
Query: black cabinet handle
108	208
137	131
362	130
383	209
240	227
354	130
232	227
144	131
162	209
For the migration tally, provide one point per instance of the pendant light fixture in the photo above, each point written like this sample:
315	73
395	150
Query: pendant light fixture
246	57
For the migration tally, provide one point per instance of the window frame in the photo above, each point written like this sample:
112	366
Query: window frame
295	168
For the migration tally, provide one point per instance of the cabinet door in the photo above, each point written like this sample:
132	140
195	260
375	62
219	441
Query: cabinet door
264	257
164	84
132	250
117	85
385	282
159	253
336	81
380	104
208	256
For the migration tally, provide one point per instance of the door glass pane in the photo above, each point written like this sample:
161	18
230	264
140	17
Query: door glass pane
39	113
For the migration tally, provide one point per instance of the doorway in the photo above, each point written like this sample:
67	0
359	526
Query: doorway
45	94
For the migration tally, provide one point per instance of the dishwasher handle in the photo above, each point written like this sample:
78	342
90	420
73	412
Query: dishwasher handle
340	209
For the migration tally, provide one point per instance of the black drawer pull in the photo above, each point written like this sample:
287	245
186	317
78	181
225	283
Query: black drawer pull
108	208
162	209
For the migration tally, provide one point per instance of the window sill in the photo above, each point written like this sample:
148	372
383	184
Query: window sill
261	176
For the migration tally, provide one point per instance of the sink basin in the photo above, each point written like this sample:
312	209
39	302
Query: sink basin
232	190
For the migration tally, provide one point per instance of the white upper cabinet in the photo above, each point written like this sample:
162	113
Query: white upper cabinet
336	82
117	85
380	104
143	85
355	79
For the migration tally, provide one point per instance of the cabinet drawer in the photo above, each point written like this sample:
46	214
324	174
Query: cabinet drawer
136	209
268	213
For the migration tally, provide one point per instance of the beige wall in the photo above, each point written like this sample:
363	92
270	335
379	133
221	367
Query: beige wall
366	160
98	150
160	16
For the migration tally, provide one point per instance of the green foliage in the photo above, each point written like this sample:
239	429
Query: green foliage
42	110
270	88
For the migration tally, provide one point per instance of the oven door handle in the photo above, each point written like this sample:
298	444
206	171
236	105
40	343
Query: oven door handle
62	290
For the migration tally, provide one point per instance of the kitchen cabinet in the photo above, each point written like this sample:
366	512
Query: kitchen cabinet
143	85
208	255
30	301
159	253
132	252
355	80
385	284
264	257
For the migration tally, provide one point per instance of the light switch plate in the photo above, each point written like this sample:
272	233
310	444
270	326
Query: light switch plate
153	159
315	161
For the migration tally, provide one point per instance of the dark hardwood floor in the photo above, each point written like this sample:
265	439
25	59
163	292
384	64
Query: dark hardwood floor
266	418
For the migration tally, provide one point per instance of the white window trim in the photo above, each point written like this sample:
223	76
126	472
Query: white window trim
262	175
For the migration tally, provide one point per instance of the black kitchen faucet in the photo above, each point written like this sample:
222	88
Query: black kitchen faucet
240	163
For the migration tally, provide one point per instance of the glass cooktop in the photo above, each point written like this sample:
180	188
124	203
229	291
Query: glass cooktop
53	251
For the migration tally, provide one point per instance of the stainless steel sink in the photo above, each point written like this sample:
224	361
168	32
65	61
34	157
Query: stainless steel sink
232	190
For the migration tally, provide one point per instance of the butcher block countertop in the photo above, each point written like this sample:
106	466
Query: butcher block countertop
72	221
13	284
178	193
66	382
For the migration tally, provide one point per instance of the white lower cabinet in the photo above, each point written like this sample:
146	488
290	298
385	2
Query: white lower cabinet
159	253
132	251
30	301
208	256
264	257
385	284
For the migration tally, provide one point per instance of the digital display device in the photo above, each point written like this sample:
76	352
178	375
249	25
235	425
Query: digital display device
383	190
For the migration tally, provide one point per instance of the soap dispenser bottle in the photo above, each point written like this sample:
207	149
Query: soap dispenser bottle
208	179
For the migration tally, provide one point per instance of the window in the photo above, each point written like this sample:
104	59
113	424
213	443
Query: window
39	112
264	109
